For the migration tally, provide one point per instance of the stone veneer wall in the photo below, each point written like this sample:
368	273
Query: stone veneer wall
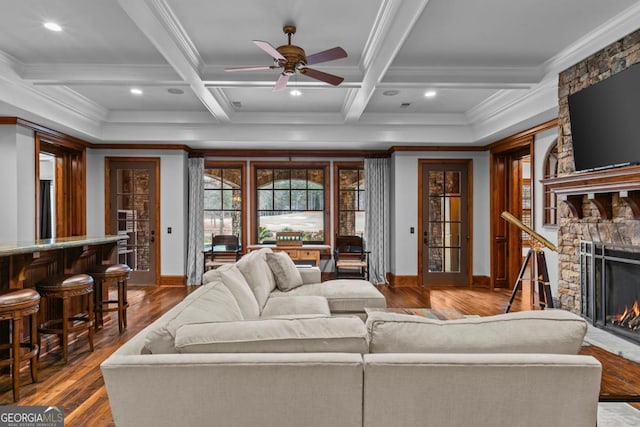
622	228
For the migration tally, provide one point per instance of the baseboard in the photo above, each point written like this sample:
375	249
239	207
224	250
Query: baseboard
480	282
402	281
172	281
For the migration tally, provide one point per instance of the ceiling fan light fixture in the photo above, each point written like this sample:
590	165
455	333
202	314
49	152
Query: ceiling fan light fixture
52	26
430	94
295	92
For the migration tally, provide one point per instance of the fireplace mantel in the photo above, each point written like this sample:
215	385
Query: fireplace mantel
599	187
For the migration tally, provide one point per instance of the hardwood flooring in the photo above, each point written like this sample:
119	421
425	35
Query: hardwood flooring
78	385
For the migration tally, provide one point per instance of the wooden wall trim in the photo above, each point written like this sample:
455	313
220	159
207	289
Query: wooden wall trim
111	146
406	281
521	138
284	153
435	148
481	282
172	281
42	129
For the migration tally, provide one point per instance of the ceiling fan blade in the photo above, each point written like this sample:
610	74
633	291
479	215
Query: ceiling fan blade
254	68
322	76
326	55
267	47
281	84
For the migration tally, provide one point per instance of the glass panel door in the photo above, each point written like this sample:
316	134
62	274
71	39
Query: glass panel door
133	213
445	224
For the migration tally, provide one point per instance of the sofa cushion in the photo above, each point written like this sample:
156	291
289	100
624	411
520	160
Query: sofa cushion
284	270
344	295
327	334
230	275
293	306
540	331
213	303
256	271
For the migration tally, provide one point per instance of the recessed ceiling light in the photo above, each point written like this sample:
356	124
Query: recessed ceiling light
175	91
430	93
136	91
391	92
52	26
295	92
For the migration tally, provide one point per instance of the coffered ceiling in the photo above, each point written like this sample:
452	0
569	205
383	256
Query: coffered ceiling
493	65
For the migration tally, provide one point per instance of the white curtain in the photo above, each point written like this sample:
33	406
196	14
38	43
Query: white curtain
195	260
377	224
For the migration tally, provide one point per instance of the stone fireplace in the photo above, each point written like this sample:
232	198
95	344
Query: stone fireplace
610	287
601	209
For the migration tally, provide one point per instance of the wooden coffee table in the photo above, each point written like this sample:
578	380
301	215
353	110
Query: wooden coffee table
430	313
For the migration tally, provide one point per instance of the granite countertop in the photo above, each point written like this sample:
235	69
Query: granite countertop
16	248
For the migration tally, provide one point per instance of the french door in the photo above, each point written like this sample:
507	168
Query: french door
132	207
445	234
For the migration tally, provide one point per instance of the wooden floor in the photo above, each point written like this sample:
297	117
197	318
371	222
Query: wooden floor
79	387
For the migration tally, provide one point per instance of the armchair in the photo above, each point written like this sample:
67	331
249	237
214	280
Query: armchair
225	249
349	256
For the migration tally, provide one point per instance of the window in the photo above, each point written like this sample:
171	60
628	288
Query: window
349	188
290	198
223	200
550	202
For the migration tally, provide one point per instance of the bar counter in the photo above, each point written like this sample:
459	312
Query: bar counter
22	264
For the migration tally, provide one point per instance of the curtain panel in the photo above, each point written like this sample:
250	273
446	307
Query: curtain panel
377	224
195	241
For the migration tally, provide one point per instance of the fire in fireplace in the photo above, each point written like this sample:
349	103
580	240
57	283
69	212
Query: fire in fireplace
629	318
610	285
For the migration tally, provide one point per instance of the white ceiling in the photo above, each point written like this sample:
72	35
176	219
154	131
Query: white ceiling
493	63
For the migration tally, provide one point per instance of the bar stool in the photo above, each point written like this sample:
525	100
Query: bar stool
111	274
14	306
65	287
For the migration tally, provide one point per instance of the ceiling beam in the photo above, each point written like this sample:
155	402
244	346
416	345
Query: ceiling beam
393	24
156	21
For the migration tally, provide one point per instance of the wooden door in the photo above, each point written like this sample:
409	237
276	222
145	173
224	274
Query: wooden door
132	206
507	190
445	254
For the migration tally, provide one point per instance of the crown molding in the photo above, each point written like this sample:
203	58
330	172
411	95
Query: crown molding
511	112
72	100
614	29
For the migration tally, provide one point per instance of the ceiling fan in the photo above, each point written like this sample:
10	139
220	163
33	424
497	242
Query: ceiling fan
292	58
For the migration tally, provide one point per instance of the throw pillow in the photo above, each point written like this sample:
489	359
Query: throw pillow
284	270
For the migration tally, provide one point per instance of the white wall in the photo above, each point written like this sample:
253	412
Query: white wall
543	141
17	192
173	202
404	214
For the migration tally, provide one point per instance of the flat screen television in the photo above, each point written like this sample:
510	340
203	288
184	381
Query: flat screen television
605	122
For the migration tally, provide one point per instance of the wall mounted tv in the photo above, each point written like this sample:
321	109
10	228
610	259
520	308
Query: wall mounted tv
605	122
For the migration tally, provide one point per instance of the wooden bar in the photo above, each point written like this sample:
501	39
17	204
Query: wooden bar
24	264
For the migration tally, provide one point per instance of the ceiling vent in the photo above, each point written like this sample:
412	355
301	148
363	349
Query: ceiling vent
405	105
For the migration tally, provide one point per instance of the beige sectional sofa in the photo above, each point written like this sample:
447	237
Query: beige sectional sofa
239	352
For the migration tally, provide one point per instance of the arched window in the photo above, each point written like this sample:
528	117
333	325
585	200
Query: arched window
550	202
